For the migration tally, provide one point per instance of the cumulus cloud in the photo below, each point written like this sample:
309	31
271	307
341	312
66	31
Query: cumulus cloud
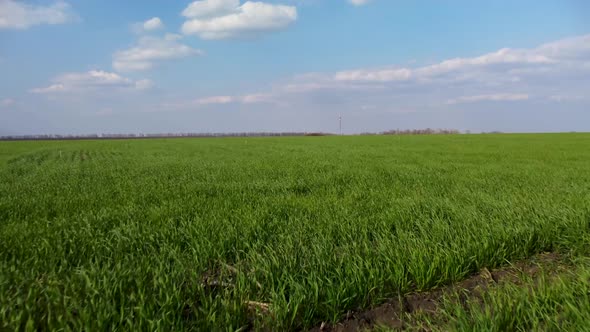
507	89
144	84
555	71
571	54
574	48
211	8
20	15
58	87
215	100
221	100
221	19
492	61
7	102
567	98
257	98
94	80
150	50
491	97
298	86
359	2
154	23
242	99
150	25
384	75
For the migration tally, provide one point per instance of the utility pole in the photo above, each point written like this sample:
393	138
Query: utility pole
340	122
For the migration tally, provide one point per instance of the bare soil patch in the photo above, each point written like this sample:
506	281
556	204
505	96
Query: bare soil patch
397	313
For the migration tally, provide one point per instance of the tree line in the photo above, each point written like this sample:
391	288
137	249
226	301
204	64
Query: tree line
159	135
427	131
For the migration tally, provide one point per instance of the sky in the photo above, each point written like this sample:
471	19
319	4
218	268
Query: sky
161	66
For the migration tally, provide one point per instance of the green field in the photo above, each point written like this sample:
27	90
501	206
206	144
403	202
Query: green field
286	233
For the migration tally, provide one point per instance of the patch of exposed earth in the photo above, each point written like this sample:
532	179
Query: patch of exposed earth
406	311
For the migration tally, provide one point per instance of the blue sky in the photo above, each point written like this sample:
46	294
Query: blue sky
133	66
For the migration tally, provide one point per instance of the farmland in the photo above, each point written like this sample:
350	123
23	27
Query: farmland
287	233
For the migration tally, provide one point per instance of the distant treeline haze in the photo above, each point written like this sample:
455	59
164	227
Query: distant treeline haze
427	131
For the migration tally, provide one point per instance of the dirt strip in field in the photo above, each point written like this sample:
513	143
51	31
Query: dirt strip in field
406	311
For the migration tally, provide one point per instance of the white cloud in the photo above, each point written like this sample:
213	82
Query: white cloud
144	84
510	90
571	54
504	57
215	100
19	15
150	50
7	102
242	99
567	98
359	2
257	98
211	8
574	48
58	87
491	97
220	19
385	75
211	101
154	23
326	85
94	80
554	71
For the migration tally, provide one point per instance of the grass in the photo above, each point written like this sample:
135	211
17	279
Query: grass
549	304
279	233
555	298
